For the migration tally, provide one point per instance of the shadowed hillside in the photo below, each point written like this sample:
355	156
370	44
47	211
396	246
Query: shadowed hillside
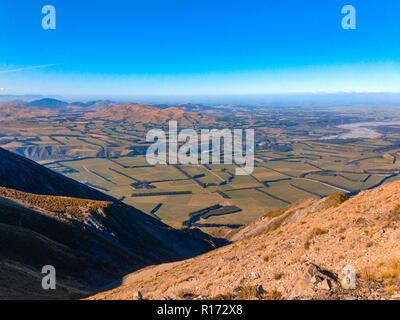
91	239
22	174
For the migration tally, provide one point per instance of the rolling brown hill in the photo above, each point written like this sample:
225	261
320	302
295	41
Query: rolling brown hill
294	253
12	111
147	114
19	110
91	239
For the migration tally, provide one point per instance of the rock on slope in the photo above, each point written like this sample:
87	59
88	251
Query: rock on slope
293	253
91	239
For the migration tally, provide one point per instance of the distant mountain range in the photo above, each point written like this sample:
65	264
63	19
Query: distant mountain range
49	103
18	109
133	112
39	101
24	97
186	115
192	102
12	111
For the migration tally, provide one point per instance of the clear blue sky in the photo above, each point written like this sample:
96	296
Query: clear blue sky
127	48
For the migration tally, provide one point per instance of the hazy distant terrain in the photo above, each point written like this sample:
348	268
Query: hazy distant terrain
300	152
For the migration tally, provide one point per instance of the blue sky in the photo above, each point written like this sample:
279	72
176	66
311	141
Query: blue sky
127	48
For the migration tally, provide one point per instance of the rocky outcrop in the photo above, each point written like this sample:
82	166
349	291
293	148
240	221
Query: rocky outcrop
314	281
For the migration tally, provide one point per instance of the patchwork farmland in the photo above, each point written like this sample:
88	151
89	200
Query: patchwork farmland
297	161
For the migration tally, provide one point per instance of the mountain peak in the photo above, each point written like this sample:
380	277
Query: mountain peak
47	103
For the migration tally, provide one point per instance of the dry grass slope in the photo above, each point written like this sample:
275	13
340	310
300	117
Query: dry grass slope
270	263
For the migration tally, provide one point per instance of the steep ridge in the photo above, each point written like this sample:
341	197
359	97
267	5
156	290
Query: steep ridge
295	253
280	217
17	172
41	153
91	239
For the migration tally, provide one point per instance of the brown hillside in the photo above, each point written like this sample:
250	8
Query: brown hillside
91	243
147	114
295	253
13	111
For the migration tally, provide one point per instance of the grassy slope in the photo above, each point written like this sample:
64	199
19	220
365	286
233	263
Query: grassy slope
362	231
